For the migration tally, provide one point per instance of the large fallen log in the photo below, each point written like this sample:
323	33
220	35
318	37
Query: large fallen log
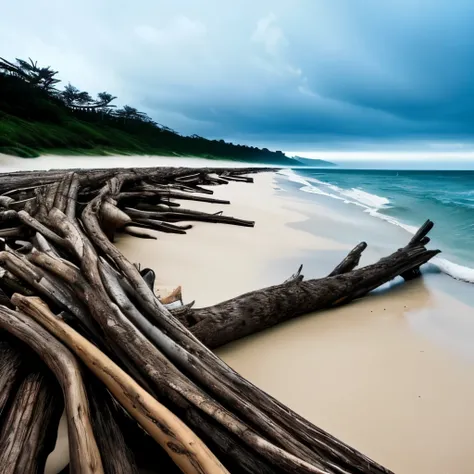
258	310
59	229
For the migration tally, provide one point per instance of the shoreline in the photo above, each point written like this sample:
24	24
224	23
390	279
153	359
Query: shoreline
383	209
391	379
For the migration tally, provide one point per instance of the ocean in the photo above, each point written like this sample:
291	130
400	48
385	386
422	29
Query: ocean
406	199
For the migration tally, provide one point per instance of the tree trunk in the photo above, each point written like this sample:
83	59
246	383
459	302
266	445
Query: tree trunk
252	312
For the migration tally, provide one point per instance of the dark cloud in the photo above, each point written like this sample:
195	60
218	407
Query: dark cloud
294	74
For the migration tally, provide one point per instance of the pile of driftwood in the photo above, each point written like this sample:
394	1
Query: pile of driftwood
83	331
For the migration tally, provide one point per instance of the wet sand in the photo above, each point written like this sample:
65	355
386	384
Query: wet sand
390	374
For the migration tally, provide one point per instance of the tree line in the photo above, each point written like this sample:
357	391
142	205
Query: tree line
32	92
45	79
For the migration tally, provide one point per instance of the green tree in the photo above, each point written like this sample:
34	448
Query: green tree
104	99
70	94
131	113
84	98
43	77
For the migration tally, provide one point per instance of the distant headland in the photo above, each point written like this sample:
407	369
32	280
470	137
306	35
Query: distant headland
314	163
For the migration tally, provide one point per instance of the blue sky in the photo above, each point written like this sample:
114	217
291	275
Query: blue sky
299	75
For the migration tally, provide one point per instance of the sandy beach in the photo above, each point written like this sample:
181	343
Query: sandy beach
237	238
13	163
390	374
384	374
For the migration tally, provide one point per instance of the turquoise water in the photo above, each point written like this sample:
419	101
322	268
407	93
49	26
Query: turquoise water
407	199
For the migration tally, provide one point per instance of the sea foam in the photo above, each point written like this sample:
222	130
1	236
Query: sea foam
372	204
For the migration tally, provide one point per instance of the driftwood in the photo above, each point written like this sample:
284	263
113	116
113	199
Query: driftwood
257	310
117	458
185	448
84	454
26	437
10	370
152	356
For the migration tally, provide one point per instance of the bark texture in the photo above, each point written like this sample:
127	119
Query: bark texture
26	437
258	310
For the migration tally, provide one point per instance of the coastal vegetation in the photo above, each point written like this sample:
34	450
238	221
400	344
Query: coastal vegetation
38	116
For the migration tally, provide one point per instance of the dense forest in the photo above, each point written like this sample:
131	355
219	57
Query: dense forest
36	116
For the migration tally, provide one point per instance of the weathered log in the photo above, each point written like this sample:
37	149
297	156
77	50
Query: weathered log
116	456
191	178
7	216
62	192
96	178
5	201
84	454
10	373
179	442
170	326
320	440
29	429
86	254
202	190
139	234
11	284
72	193
49	286
158	225
161	211
177	216
166	194
18	231
214	178
195	367
228	321
232	177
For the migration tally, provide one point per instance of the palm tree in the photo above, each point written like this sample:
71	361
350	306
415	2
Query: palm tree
45	78
27	68
104	99
75	98
42	77
84	98
131	113
70	94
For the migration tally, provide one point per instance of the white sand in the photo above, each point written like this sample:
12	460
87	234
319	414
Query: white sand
44	162
368	372
217	262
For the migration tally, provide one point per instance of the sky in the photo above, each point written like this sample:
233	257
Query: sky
303	76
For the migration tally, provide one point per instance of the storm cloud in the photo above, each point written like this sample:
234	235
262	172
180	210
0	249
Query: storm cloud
289	74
